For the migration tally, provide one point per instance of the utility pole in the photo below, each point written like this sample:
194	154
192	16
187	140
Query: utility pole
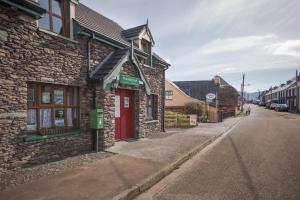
242	91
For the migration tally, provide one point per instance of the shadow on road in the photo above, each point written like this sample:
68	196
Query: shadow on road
249	182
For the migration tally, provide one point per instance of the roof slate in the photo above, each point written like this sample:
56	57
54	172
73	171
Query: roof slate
94	21
110	64
197	89
133	32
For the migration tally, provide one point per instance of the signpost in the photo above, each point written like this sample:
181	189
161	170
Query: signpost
210	96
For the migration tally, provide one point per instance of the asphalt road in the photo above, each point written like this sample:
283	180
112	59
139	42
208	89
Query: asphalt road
258	159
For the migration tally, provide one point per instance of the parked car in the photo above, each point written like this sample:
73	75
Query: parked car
268	104
262	103
281	108
273	106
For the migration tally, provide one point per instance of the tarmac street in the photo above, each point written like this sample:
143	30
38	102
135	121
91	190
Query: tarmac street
258	159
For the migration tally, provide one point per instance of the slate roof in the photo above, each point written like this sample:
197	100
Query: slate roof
160	59
109	65
197	89
106	27
133	32
94	21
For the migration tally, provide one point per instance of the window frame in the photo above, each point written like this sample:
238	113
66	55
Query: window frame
63	17
38	106
169	95
153	99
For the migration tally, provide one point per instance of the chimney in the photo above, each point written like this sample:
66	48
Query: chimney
217	80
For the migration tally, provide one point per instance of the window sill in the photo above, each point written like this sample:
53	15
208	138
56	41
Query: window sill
35	137
57	35
152	122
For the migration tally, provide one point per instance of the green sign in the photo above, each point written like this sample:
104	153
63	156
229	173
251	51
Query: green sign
129	80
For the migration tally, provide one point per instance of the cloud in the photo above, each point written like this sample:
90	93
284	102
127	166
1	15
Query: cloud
287	48
237	44
202	38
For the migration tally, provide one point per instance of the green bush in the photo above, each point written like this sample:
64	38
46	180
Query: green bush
193	108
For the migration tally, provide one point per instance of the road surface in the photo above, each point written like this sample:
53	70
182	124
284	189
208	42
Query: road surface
258	159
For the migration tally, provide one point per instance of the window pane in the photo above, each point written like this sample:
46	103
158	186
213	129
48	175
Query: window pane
31	119
30	96
46	95
59	117
59	96
57	25
149	113
45	118
75	96
44	22
69	117
57	7
70	96
44	4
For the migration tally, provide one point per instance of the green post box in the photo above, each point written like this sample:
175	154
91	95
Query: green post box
96	117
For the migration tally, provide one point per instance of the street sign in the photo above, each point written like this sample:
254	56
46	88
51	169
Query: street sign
210	96
129	80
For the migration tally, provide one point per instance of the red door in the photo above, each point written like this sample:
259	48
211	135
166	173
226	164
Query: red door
124	114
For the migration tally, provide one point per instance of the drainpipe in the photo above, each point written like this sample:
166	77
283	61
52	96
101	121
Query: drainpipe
89	52
163	102
94	131
131	50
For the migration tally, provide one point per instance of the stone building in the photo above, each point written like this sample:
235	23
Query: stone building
59	60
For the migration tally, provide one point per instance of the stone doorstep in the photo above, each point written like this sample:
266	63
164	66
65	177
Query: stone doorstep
147	183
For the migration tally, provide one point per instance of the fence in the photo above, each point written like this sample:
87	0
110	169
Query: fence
177	120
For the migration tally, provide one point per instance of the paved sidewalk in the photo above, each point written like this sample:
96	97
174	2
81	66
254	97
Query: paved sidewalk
135	162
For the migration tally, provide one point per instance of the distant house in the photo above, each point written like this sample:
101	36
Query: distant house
291	96
176	99
226	101
298	92
262	96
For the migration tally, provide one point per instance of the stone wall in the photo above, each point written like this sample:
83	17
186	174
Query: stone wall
98	52
27	54
106	100
30	54
155	77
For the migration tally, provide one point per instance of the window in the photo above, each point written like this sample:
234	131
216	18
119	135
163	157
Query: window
54	19
169	95
51	109
151	106
145	46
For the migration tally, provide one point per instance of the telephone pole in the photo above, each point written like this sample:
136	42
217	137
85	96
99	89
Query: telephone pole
242	91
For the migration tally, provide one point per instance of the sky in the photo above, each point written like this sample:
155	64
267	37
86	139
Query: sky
203	38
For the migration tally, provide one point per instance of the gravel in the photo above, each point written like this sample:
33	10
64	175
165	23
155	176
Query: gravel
18	176
154	135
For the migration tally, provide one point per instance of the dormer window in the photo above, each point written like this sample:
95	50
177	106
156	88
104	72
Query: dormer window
145	46
54	18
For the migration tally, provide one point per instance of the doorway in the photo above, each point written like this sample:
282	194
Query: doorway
124	114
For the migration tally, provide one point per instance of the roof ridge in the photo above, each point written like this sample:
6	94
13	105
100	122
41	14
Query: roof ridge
135	27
